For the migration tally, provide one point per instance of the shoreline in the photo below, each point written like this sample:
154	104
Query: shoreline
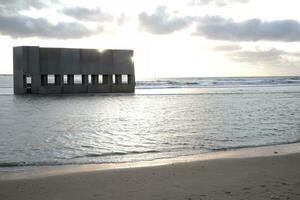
241	175
33	172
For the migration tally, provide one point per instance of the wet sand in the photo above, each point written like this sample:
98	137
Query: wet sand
266	177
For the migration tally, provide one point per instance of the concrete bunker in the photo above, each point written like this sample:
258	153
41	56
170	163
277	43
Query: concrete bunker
42	70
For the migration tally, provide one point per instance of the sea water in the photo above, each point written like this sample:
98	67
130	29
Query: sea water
164	118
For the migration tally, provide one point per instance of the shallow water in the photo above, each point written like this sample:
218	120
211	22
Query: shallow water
156	122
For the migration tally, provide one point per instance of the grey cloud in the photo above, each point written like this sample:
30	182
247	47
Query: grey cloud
219	3
8	6
160	22
86	14
228	47
16	25
218	28
273	57
20	26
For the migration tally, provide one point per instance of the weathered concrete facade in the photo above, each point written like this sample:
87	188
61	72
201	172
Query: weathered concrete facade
65	70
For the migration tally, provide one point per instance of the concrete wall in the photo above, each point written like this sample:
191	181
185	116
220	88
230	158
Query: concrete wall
20	67
39	62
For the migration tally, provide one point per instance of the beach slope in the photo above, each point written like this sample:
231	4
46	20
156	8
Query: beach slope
272	177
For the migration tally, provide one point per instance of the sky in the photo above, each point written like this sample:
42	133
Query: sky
170	38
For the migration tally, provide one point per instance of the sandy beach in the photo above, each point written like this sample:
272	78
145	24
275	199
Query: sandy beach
264	177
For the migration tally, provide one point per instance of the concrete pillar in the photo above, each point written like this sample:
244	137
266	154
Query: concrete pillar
44	80
19	83
36	83
34	69
70	79
58	79
118	79
107	79
84	79
94	79
24	81
131	79
19	64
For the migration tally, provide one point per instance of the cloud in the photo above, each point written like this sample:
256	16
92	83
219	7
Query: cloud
8	6
86	14
228	47
16	25
272	57
218	28
160	22
219	3
20	26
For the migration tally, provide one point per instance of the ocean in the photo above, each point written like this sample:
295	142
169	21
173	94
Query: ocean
165	118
